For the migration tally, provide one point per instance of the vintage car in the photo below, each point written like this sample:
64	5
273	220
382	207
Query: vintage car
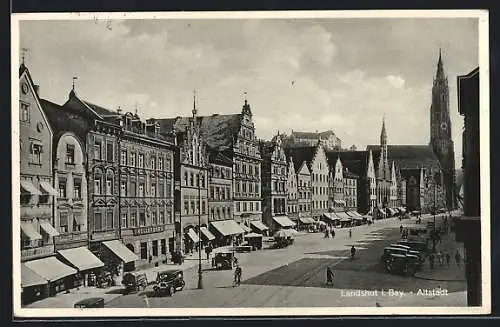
92	302
223	260
178	257
415	245
412	256
134	282
168	282
400	265
410	250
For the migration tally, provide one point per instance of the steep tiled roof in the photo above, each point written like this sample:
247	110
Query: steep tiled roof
304	135
218	157
407	156
355	161
332	158
101	110
301	154
350	174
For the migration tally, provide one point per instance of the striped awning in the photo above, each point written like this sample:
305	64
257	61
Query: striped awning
30	232
81	258
50	268
284	221
227	227
259	225
205	232
30	278
28	187
193	236
307	220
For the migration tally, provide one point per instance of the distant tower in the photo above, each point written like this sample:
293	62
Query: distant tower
383	167
441	141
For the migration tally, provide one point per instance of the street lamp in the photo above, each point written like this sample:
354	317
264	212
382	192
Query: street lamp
200	275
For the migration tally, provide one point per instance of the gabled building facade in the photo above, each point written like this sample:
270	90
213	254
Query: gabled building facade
336	198
292	192
350	190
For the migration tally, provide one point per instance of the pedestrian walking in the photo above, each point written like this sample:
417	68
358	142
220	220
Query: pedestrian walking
458	258
439	258
448	258
431	261
329	276
350	232
237	275
401	229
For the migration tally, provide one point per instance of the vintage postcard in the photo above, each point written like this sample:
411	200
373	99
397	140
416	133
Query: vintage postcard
250	163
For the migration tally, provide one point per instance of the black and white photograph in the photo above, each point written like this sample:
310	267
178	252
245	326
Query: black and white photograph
250	163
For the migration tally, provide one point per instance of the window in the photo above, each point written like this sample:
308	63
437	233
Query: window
168	192
133	219
25	112
123	188
245	209
62	188
77	188
203	181
251	206
109	186
36	153
191	179
63	222
256	188
144	250
123	158
154	218
162	218
110	220
97	149
110	156
155	248
160	163
153	162
203	208
198	180
186	207
153	190
124	220
76	221
161	192
132	191
198	206
132	159
192	207
97	221
238	207
97	186
141	190
142	219
70	154
141	160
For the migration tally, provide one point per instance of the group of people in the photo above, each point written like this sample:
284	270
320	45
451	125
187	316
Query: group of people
329	232
444	257
404	232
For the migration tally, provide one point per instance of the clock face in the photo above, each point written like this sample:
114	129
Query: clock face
24	88
443	126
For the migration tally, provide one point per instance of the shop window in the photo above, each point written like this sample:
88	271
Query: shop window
163	243
144	250
25	197
155	248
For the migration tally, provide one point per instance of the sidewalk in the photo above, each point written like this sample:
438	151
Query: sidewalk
67	300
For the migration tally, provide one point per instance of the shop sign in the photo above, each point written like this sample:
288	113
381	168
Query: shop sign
148	230
37	252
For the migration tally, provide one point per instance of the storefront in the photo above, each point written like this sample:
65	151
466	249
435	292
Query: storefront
207	237
117	258
60	277
84	261
259	227
149	244
226	232
330	218
345	219
34	287
306	223
191	240
282	222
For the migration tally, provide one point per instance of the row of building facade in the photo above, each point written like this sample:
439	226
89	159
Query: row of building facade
126	193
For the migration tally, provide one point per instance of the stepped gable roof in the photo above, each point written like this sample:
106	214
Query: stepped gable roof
300	154
220	130
407	156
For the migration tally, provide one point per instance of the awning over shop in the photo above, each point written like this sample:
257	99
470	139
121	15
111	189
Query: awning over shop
253	235
48	188
355	215
30	188
81	258
49	229
382	211
330	216
307	220
207	234
342	215
30	232
284	221
121	251
245	228
50	268
193	236
259	225
30	278
227	227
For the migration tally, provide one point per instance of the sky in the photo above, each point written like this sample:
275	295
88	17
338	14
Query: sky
299	74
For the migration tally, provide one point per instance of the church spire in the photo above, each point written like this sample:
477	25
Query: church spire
194	104
440	76
383	134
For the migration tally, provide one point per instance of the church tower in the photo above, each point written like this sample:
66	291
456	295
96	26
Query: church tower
441	141
384	174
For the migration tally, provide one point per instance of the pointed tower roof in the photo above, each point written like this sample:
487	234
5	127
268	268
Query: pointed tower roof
246	107
383	133
440	70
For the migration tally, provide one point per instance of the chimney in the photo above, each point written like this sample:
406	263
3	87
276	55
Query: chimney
37	90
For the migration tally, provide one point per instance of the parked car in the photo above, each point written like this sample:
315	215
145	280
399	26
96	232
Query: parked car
412	256
134	282
92	302
223	260
416	245
168	282
400	264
